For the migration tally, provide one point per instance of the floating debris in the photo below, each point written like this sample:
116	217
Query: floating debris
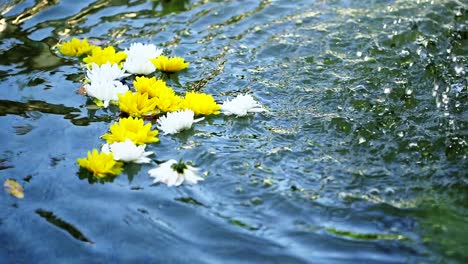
14	188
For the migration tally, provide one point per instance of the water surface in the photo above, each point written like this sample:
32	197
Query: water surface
361	157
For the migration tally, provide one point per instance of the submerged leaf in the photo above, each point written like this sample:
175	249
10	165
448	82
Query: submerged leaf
14	188
189	200
242	224
366	236
53	219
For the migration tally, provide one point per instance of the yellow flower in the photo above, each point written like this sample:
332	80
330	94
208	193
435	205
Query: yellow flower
201	104
101	164
102	56
152	86
166	64
133	129
136	104
75	47
168	101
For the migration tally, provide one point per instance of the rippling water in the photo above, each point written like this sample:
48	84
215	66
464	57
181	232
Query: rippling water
361	157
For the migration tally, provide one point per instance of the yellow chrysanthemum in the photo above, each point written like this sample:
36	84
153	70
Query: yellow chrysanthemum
101	164
201	103
133	129
168	101
166	64
75	47
136	104
102	56
151	86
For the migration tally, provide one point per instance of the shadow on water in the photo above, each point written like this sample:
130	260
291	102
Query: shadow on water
53	219
73	114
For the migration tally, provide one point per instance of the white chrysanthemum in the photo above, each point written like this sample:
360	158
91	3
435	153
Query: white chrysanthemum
241	105
105	90
174	173
105	72
176	121
137	66
138	58
127	151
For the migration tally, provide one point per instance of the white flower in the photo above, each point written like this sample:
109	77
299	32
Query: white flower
241	105
176	121
137	66
143	50
105	90
105	72
138	58
174	173
127	151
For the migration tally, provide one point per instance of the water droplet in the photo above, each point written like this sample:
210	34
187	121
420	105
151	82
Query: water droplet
361	140
459	69
3	25
389	190
418	51
404	53
445	99
344	195
457	87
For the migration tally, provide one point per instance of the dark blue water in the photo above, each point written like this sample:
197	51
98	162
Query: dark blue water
361	157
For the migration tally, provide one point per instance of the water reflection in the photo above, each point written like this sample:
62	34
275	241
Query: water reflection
39	6
17	108
170	6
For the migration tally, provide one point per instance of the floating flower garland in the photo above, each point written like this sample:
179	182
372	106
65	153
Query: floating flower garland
105	82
